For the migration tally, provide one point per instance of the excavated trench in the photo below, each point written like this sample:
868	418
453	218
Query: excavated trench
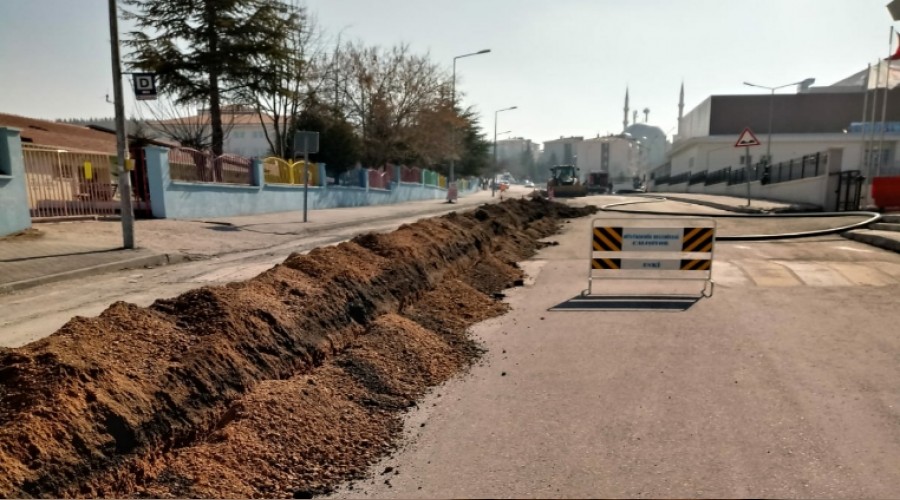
278	386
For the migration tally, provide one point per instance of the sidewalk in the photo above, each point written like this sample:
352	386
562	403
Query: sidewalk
57	251
65	250
737	204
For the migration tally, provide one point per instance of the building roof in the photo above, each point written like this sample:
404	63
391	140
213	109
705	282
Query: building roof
59	135
229	117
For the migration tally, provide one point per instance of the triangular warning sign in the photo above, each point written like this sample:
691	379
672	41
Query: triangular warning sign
747	139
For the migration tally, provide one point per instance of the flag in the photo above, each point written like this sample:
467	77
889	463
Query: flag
884	74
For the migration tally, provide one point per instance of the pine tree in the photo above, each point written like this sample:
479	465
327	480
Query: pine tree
208	50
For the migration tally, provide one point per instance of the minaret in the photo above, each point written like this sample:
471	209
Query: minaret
634	116
625	122
680	107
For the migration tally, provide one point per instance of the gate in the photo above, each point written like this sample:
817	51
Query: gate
849	189
70	183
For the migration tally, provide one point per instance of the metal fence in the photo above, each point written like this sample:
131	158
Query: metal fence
191	165
800	168
413	175
698	178
65	183
379	179
281	171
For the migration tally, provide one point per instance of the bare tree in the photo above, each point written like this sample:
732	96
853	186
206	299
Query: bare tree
383	94
286	85
187	124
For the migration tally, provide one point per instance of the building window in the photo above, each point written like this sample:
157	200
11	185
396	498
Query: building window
743	160
690	163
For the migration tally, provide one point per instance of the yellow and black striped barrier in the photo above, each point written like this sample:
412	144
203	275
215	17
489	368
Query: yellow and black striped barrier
652	248
607	239
697	239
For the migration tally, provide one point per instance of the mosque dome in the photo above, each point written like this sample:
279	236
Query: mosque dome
641	130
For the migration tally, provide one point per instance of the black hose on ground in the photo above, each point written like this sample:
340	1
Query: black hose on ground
874	217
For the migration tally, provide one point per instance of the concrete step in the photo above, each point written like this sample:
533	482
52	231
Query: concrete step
890	218
885	226
888	240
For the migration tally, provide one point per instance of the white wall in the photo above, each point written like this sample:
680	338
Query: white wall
714	153
248	141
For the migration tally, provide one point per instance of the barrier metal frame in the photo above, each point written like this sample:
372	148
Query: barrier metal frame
653	274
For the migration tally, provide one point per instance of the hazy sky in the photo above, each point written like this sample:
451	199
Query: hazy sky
564	63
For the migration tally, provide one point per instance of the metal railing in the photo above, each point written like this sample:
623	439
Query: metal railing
698	178
801	168
412	175
680	178
379	179
64	183
280	171
191	165
717	176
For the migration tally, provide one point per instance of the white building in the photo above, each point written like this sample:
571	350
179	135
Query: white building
562	151
807	122
617	155
244	132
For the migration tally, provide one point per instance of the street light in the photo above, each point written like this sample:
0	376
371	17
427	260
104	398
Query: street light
453	107
807	82
495	132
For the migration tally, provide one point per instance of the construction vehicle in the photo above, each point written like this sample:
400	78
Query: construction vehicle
597	182
564	182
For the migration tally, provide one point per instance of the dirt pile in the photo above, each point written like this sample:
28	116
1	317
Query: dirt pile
279	385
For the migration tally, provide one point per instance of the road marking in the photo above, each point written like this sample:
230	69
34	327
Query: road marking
859	274
769	274
816	273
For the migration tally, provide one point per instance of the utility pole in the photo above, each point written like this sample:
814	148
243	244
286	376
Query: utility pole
121	141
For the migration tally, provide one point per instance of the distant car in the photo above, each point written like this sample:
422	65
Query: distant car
529	184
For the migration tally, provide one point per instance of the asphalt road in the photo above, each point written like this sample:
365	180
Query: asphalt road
783	384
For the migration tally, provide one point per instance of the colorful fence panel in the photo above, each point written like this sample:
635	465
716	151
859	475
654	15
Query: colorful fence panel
281	171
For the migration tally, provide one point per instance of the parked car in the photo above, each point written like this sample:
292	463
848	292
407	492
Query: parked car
529	184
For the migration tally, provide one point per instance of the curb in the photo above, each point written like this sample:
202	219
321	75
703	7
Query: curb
176	258
740	209
133	263
871	237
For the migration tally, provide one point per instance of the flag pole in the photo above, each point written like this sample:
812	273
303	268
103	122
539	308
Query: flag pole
871	121
862	123
887	88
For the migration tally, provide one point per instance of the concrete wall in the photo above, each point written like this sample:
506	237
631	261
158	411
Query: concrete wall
178	200
14	213
819	191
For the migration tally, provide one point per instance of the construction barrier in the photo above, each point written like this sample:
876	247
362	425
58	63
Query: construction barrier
652	248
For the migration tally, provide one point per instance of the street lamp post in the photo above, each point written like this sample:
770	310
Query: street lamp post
808	81
452	176
495	133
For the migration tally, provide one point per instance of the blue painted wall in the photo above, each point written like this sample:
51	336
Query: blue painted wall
14	213
184	200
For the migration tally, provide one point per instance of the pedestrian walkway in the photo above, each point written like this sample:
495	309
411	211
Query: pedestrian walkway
738	204
55	251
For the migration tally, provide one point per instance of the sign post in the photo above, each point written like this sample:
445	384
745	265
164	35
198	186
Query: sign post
747	139
305	142
144	86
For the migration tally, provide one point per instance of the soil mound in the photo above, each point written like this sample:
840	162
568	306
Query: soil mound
283	384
